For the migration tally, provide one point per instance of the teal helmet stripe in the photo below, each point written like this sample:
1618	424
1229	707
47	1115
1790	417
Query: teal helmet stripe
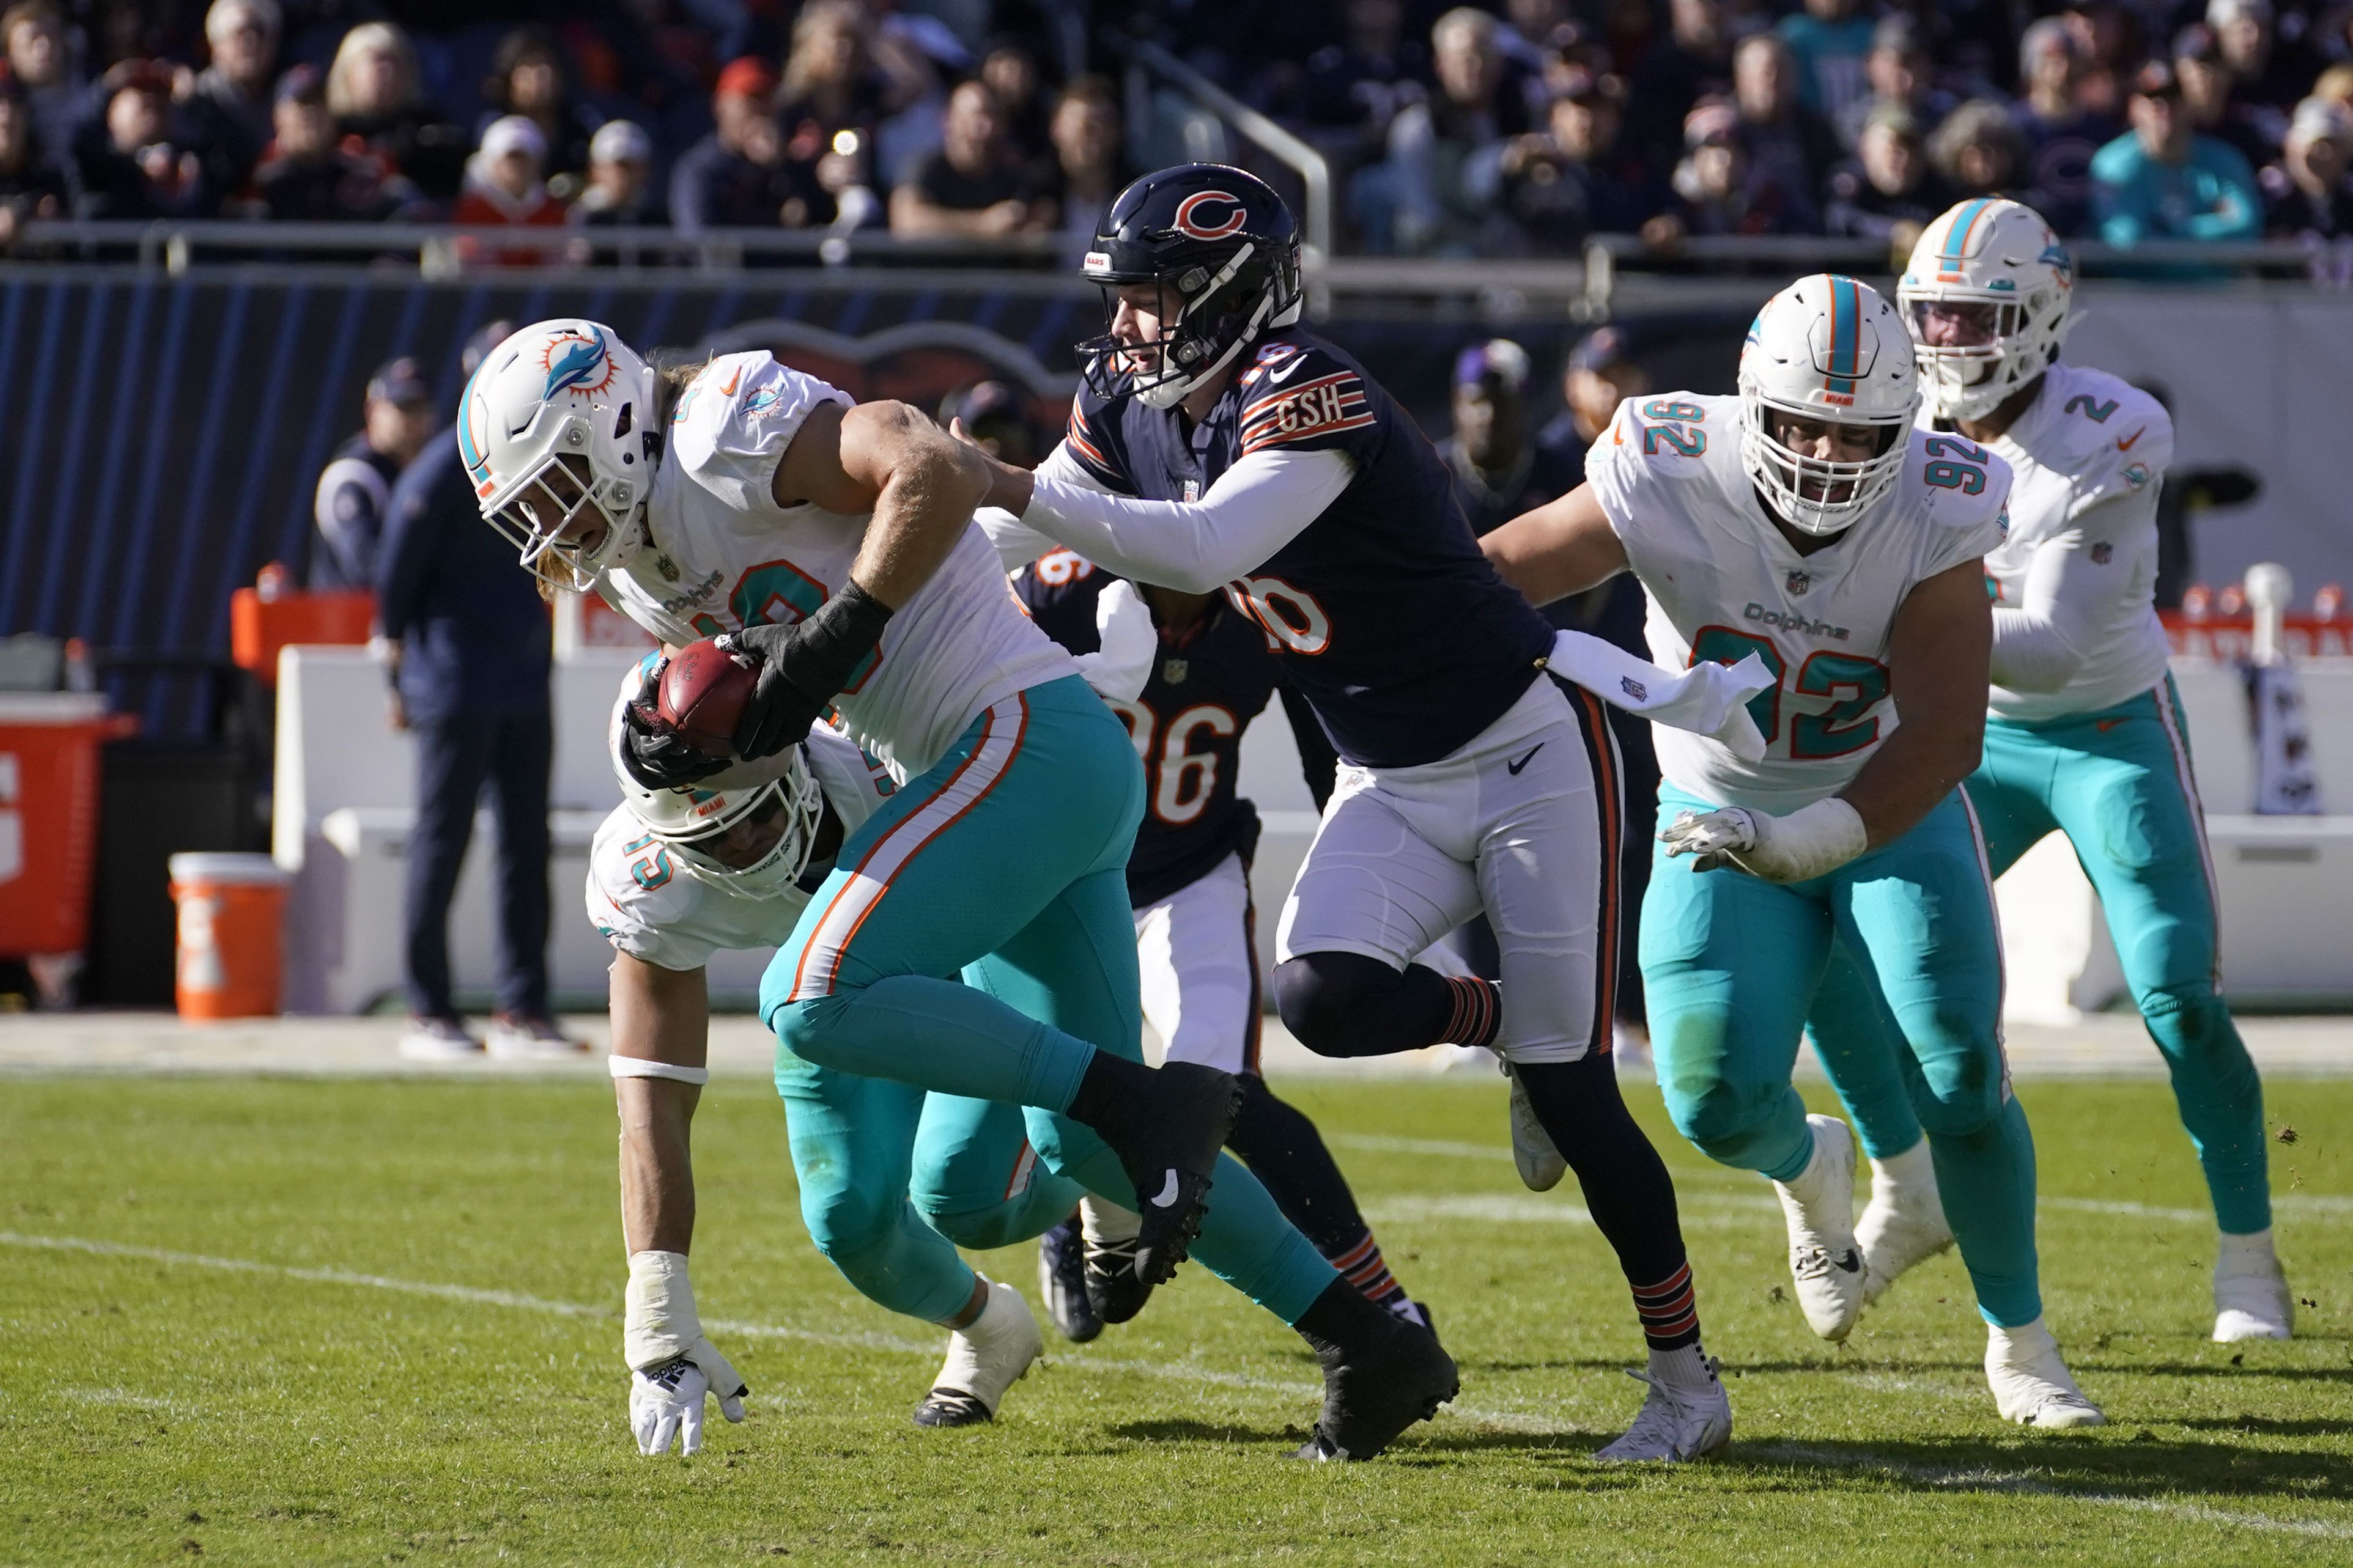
1957	236
476	465
1846	335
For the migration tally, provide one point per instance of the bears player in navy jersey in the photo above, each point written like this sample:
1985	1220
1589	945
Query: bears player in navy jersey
1189	878
1218	446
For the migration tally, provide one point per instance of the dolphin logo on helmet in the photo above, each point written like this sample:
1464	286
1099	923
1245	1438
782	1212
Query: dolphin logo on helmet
579	364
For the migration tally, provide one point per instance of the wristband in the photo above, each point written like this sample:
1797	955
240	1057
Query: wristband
660	1324
645	1067
826	648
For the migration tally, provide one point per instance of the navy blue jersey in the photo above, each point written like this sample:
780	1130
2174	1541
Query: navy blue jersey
1206	687
1387	617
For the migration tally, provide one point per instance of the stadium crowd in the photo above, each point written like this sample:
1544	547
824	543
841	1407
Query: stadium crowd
1461	131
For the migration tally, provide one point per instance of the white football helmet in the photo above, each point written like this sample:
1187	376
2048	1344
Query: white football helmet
693	814
1999	260
553	425
1826	348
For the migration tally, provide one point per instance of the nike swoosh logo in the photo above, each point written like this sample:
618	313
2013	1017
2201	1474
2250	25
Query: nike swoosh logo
1168	1194
2125	444
732	381
2105	725
1290	365
1513	768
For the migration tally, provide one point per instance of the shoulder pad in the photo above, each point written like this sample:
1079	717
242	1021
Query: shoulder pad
2116	439
637	892
1298	393
1669	430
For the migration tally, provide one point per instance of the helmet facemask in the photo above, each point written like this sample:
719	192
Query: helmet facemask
1219	312
726	845
541	516
1820	496
1970	379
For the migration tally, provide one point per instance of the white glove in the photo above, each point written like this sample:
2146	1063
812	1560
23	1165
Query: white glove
1708	699
665	1400
1808	843
1124	666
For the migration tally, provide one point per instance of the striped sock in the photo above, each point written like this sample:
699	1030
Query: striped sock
1478	1011
1360	1264
1669	1310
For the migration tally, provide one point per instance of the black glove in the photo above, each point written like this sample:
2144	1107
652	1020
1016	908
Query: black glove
652	752
803	667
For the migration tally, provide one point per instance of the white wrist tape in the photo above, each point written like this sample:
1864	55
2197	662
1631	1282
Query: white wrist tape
659	1322
645	1067
1810	842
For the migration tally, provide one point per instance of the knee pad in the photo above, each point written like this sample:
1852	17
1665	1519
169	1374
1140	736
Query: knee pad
845	1222
1719	1115
1958	1094
1333	1001
803	1028
975	1230
2188	1019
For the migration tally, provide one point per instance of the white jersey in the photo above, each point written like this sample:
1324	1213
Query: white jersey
660	908
1724	583
2087	459
723	555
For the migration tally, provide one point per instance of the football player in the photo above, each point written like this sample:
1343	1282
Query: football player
2085	734
1218	446
834	545
891	1180
1802	521
1210	675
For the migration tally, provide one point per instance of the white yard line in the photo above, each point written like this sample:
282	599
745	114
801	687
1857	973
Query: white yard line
1178	1372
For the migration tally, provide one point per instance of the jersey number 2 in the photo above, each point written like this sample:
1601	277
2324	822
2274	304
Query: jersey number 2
1837	731
1180	780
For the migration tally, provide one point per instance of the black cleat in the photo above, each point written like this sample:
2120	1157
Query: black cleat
1063	1281
1170	1153
1406	1309
1381	1374
952	1407
1112	1288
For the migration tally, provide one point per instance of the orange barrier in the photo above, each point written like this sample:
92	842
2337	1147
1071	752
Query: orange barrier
267	616
232	908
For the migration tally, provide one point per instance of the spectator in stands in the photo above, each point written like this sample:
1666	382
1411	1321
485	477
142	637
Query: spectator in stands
739	176
1902	76
43	68
131	163
470	682
1578	179
1011	73
2267	71
1716	190
230	109
831	83
620	191
1600	374
1694	60
1788	145
354	488
529	77
1978	151
2336	84
974	186
1445	162
308	176
1498	467
1090	156
2208	97
1890	192
1829	41
1353	90
2061	134
2308	195
506	187
30	187
2109	50
2164	181
374	94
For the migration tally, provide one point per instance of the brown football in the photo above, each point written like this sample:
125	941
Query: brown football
702	696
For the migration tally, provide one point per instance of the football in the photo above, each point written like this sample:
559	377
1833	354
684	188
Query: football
701	696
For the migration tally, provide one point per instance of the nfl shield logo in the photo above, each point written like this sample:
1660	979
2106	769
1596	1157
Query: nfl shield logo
1798	582
1173	671
1192	490
2102	552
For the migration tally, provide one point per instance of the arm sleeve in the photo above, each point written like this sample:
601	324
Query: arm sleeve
2071	593
405	554
1262	503
1017	543
1319	764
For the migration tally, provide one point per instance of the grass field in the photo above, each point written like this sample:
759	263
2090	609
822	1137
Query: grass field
343	1322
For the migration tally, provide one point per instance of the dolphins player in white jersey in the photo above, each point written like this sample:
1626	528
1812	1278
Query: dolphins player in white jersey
834	545
2085	735
1803	521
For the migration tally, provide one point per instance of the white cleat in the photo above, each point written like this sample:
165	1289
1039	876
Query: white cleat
986	1357
1541	1166
1818	1206
1904	1224
2252	1301
1678	1422
2031	1385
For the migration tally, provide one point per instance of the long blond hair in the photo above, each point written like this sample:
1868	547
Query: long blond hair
368	39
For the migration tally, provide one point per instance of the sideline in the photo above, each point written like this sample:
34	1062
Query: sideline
1982	1480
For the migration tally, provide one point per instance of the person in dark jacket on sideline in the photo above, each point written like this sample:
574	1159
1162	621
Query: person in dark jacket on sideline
470	682
355	487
